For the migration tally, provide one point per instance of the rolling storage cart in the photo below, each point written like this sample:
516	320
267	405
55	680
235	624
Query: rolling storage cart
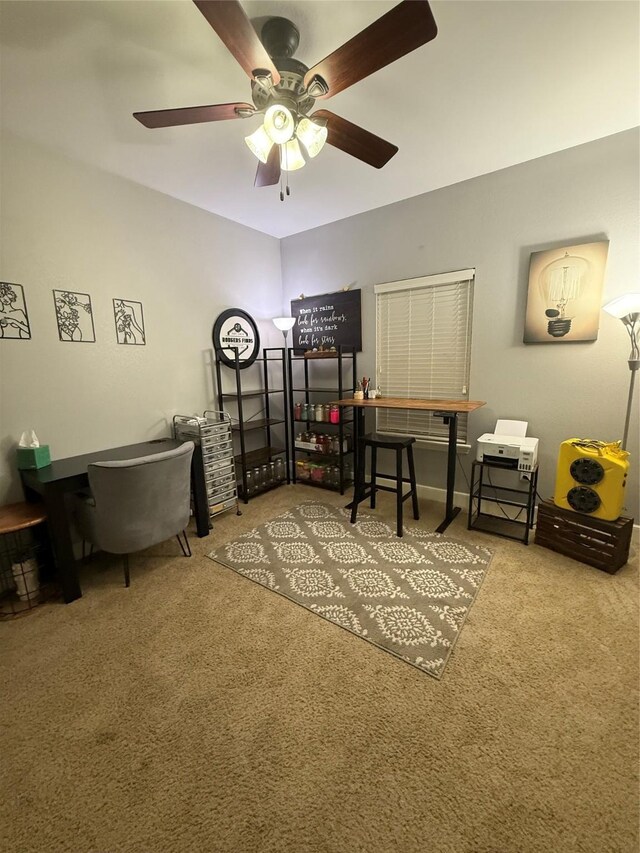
213	479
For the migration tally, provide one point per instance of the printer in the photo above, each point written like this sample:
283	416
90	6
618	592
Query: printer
509	446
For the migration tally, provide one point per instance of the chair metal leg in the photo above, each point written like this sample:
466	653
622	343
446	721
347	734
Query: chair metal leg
186	548
412	477
374	463
125	563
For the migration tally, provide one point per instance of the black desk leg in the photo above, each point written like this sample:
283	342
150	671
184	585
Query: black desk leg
60	533
451	511
358	454
199	488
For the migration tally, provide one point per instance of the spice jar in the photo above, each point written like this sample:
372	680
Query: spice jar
319	412
297	412
326	413
305	412
334	414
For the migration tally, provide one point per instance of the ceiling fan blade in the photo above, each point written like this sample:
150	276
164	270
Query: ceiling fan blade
228	19
268	173
193	115
355	140
407	26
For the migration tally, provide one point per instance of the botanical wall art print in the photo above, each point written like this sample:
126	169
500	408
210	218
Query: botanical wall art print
74	316
129	322
565	292
14	319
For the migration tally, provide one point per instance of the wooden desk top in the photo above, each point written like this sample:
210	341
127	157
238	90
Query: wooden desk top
425	405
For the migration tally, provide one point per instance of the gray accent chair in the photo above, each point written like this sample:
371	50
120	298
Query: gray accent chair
136	503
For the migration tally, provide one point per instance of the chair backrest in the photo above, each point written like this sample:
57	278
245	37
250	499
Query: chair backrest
140	502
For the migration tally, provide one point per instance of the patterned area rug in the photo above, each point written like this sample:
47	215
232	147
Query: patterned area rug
408	596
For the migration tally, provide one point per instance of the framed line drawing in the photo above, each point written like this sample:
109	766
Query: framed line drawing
74	316
14	318
564	294
129	319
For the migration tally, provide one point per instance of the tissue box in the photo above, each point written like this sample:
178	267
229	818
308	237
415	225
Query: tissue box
33	457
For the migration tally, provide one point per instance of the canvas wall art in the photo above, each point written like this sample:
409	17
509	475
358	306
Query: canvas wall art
14	319
565	293
129	322
74	316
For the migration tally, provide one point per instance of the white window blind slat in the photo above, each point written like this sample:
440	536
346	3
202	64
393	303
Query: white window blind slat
423	344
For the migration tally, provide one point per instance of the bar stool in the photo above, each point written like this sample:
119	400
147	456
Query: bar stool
398	443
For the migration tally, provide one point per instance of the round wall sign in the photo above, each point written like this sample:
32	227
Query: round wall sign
235	335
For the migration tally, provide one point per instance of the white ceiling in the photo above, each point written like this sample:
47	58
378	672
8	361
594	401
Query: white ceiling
503	82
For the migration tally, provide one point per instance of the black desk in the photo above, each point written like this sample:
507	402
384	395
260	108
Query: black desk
52	483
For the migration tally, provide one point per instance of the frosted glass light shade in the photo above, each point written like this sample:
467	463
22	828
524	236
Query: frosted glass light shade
279	124
291	156
624	305
313	136
260	144
284	323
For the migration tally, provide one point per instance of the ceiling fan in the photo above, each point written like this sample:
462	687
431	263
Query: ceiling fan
284	90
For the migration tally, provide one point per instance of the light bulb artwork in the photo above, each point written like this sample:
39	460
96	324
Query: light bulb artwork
561	284
564	293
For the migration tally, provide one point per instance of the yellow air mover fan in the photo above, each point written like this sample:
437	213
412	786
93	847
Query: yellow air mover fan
591	477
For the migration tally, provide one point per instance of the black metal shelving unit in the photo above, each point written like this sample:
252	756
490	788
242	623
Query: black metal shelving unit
247	460
344	363
522	499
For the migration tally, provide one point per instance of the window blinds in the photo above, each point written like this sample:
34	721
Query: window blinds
423	343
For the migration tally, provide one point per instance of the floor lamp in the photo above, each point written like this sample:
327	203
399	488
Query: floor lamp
627	309
284	324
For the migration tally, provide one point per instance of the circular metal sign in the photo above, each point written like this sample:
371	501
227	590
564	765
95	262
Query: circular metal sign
235	336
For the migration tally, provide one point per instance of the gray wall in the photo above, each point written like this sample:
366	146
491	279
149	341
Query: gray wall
65	225
493	223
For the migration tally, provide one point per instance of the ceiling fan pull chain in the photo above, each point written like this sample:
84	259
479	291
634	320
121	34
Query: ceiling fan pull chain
281	192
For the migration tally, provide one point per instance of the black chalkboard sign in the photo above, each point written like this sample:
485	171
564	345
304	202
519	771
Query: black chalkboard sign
328	320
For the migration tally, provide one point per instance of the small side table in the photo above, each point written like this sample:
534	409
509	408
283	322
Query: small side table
482	490
26	563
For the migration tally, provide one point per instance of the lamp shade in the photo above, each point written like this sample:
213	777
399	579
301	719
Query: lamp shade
279	124
284	323
313	136
291	156
260	144
624	305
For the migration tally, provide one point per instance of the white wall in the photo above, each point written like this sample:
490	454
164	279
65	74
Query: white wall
65	225
493	223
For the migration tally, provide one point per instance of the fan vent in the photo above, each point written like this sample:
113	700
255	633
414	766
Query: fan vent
583	499
586	471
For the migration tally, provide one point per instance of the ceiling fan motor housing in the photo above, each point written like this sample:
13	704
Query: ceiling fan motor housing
281	38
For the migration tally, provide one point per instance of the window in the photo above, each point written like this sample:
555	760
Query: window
423	347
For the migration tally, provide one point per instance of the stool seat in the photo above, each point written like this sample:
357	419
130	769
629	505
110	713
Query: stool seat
392	442
398	444
20	516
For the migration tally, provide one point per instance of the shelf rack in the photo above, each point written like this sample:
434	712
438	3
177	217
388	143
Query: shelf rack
522	499
344	360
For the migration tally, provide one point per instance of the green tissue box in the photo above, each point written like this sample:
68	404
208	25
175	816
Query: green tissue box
33	457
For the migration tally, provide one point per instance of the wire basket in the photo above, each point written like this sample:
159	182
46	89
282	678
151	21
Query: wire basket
26	570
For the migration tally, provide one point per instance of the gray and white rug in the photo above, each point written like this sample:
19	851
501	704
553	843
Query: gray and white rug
408	596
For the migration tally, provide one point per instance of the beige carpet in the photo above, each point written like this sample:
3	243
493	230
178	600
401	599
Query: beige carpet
194	712
409	596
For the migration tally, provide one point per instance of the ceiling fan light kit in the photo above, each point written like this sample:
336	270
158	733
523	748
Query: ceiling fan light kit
285	90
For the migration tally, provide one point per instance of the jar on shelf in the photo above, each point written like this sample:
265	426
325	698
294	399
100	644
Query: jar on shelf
265	476
335	444
272	472
251	487
334	414
279	472
326	413
335	476
257	479
297	412
319	411
317	473
305	412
